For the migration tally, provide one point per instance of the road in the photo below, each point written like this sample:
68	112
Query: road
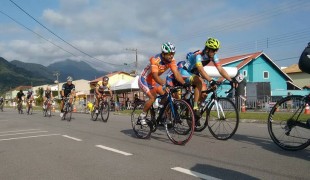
37	147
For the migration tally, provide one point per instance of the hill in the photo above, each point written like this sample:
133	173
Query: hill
37	69
13	76
76	69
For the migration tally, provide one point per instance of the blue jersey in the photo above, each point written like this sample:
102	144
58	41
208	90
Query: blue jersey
196	59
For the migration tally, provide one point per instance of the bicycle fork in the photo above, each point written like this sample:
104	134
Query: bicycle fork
219	109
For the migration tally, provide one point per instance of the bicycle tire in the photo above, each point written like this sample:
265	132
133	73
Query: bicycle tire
225	126
141	131
180	124
105	111
94	115
287	124
69	112
44	112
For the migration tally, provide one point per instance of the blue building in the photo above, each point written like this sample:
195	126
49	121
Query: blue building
262	76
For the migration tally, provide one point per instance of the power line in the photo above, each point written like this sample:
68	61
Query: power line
237	23
36	33
60	37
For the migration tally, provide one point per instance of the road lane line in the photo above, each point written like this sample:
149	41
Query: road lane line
193	173
114	150
19	130
22	133
72	138
28	137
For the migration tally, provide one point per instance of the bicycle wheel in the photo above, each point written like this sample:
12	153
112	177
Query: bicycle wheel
141	131
69	112
179	122
94	115
287	125
44	112
105	111
49	111
222	118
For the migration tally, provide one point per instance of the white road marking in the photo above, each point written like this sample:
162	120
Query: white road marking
28	137
72	138
19	130
114	150
22	133
193	173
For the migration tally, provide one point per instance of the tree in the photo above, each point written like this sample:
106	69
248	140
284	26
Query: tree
39	100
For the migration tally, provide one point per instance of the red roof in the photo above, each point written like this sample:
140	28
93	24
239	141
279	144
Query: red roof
23	88
246	58
109	75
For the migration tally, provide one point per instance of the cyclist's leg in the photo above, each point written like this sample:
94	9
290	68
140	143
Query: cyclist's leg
151	93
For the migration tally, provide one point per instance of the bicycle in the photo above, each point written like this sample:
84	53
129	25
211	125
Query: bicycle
47	110
1	106
103	110
289	123
67	109
20	107
221	114
29	109
175	115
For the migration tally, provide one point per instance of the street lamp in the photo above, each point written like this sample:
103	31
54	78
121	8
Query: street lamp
57	82
136	50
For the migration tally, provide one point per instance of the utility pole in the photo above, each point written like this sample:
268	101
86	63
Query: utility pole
136	50
57	74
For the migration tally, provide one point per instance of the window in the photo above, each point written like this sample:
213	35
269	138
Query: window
266	75
245	73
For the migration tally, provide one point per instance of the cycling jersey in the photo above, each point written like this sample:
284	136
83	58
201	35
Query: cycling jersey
48	94
196	59
304	60
29	95
20	95
157	64
102	87
68	88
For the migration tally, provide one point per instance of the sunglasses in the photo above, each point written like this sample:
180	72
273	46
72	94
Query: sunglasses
169	54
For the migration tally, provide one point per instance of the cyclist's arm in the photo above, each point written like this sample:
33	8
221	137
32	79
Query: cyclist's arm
203	73
157	78
223	73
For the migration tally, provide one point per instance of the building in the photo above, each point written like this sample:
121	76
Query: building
10	95
299	78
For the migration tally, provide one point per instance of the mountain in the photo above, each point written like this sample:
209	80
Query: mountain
75	69
13	76
37	69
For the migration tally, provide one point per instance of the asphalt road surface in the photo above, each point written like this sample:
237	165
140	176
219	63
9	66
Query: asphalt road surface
36	147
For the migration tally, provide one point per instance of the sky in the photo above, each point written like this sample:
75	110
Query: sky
108	33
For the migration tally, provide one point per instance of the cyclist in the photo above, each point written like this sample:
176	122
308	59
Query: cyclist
67	88
192	70
100	87
48	95
150	82
304	66
19	97
29	99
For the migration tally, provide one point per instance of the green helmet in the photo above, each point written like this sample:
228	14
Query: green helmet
168	47
213	43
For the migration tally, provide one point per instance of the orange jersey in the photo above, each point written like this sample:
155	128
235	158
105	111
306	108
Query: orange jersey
158	65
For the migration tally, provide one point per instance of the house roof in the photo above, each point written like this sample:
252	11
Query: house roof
109	75
22	88
247	58
294	68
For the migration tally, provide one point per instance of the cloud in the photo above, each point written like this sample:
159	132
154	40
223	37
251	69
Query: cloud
56	19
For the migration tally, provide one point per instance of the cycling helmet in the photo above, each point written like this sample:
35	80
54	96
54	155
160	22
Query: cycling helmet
212	43
69	78
168	47
105	78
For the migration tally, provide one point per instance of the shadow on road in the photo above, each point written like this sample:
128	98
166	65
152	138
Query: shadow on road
220	173
269	145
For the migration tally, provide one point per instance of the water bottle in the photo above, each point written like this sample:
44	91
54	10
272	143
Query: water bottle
188	95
